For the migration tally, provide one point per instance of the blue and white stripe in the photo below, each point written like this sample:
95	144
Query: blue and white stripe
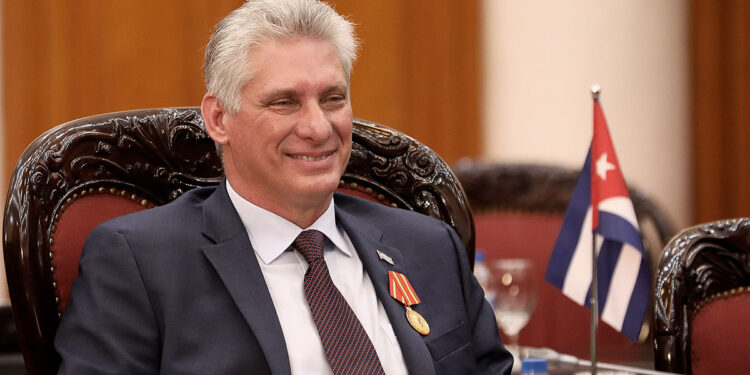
624	280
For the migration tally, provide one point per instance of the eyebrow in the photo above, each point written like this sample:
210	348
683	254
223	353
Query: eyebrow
290	92
341	86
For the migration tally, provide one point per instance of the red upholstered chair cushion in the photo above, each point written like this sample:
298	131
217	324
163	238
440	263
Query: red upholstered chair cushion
557	321
74	224
719	336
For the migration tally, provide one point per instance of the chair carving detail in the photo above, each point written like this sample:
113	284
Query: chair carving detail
701	264
167	153
410	170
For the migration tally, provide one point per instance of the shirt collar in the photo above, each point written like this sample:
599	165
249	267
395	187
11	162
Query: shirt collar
270	234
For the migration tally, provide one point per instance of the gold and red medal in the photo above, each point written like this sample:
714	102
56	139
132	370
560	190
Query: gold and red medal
402	291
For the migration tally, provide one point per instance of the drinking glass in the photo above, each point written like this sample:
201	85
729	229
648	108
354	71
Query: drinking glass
515	295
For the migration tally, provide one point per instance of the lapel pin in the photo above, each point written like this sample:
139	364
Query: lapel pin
402	291
384	257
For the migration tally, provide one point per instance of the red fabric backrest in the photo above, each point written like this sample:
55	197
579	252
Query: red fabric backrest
557	321
720	336
72	227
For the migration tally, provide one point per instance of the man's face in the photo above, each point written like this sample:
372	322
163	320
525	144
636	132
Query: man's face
290	142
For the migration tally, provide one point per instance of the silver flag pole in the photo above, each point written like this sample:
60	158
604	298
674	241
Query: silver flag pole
594	299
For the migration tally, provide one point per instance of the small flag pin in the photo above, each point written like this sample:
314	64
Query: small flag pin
384	257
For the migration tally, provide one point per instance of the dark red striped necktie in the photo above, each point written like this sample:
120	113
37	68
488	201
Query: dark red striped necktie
347	347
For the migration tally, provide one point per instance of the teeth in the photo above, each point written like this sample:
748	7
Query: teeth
308	158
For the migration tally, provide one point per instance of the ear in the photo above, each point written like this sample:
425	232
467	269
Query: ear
214	118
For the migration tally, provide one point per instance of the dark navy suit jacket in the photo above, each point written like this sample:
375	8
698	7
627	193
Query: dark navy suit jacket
177	290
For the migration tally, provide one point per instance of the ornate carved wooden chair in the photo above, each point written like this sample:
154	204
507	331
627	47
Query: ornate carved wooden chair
92	169
702	300
518	211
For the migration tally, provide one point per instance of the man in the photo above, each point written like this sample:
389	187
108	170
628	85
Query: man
271	272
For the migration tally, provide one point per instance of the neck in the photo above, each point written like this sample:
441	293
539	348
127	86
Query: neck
301	217
301	211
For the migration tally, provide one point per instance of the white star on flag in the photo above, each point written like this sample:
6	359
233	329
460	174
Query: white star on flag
603	166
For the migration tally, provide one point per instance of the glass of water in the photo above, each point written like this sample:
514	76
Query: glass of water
515	295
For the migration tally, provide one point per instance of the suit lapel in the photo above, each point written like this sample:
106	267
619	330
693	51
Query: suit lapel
367	240
233	258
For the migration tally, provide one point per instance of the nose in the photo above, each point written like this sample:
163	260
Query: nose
314	123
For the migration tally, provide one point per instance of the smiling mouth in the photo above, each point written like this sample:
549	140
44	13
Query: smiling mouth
309	158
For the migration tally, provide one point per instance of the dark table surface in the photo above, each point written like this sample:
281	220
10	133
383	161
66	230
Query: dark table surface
12	364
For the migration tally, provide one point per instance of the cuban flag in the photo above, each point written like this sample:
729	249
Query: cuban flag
601	207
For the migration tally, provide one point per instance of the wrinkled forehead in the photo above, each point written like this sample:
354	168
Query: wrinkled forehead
280	41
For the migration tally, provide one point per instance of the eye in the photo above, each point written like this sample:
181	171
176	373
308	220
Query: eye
281	103
334	99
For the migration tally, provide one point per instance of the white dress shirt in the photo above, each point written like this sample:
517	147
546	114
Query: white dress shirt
271	236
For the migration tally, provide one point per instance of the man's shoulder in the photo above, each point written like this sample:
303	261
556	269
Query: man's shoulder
183	209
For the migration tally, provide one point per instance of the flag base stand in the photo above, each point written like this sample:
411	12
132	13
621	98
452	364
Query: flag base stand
565	360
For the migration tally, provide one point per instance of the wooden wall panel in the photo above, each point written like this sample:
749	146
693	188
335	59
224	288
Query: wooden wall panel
721	108
69	59
418	70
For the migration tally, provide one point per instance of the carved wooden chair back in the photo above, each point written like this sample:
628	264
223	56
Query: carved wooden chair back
86	171
702	300
518	211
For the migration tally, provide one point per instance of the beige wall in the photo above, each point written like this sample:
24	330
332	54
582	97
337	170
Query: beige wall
541	58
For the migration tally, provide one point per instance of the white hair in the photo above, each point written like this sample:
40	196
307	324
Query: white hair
226	64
